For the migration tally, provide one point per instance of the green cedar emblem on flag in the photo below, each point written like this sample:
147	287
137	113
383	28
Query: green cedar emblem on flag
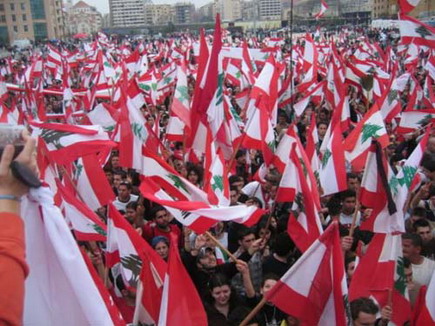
326	157
183	93
218	183
369	130
392	95
178	183
426	119
54	136
138	130
134	264
98	229
423	31
400	282
408	175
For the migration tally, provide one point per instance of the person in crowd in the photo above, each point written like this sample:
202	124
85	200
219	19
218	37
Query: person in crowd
364	312
425	230
281	259
124	196
161	245
348	208
160	225
264	191
422	267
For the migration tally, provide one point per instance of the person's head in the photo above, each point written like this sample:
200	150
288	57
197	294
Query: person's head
241	157
220	290
246	237
268	282
430	147
272	179
131	212
160	216
118	177
263	230
363	312
237	182
194	174
234	195
124	191
423	229
114	161
109	175
353	181
161	245
321	129
283	245
418	213
254	201
349	265
206	258
428	165
348	198
411	246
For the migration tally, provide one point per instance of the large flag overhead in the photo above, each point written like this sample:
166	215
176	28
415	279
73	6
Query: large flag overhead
59	284
323	7
314	289
180	299
380	274
414	31
426	311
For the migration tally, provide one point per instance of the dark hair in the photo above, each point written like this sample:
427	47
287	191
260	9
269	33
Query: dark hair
419	211
334	206
347	194
348	260
122	173
243	232
415	239
132	205
197	170
363	305
406	262
217	280
238	314
235	178
322	123
283	244
269	276
256	201
127	184
155	209
428	162
421	224
351	175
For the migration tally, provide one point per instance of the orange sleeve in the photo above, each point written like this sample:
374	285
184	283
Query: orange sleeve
13	269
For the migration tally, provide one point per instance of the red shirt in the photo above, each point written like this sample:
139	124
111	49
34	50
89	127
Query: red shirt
150	231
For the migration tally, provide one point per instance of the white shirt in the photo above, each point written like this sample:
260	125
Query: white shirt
121	206
422	273
253	189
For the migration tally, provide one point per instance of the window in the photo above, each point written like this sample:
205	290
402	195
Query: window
12	6
16	29
24	17
2	7
4	35
2	19
26	28
23	6
14	18
40	30
37	8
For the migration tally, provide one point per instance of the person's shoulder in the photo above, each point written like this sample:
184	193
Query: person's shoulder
429	262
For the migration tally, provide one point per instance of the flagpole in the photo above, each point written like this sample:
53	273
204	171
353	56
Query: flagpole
217	243
355	214
254	312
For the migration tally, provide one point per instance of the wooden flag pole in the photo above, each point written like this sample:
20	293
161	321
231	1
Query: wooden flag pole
217	243
253	312
355	214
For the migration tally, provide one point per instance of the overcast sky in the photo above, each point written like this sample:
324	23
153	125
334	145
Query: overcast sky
103	5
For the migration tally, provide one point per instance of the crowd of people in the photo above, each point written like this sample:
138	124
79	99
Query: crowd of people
233	266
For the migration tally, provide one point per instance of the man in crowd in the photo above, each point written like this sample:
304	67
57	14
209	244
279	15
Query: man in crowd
124	196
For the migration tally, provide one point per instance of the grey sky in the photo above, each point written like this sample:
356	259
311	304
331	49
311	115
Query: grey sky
103	5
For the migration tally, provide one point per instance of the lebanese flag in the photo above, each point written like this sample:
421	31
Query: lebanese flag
92	183
390	104
414	31
181	101
60	284
357	144
180	299
411	120
332	173
314	289
314	95
381	271
86	225
304	225
424	310
381	191
323	7
3	91
198	216
65	143
311	146
105	116
215	181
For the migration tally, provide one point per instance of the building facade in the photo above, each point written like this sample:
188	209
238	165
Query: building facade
83	18
269	9
183	13
31	19
126	13
230	10
158	14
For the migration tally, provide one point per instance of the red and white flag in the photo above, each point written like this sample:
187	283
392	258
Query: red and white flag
380	274
424	313
180	299
414	31
314	289
59	284
407	6
323	7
